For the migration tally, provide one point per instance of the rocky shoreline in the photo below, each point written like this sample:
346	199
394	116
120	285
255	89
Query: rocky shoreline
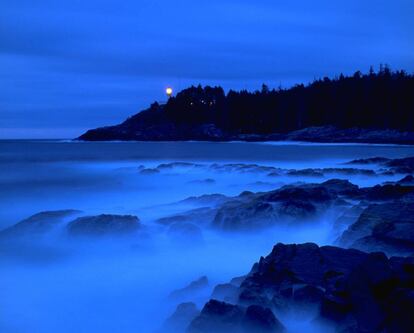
364	282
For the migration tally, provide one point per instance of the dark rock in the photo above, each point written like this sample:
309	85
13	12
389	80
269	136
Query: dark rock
261	320
206	199
288	204
198	216
190	290
173	165
402	165
149	171
407	180
218	317
386	192
206	181
104	225
372	160
226	292
388	227
305	173
186	233
180	319
308	294
38	224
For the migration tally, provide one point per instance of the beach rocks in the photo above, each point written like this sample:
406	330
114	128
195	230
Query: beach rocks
388	227
351	290
179	320
103	225
223	317
38	224
286	205
191	290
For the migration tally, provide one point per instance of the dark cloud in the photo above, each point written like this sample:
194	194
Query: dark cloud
79	64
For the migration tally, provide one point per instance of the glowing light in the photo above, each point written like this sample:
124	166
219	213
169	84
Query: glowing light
169	91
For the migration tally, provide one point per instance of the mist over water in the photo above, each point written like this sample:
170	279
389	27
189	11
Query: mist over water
56	283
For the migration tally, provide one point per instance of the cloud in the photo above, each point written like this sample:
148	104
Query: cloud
99	61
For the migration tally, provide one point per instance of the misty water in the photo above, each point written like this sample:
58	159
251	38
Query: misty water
61	284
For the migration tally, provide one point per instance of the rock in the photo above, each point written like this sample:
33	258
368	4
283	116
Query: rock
38	224
198	216
386	192
401	165
304	173
223	317
180	319
149	171
286	205
173	165
407	180
104	225
206	199
186	233
226	292
189	291
206	181
388	227
218	317
261	320
372	160
308	295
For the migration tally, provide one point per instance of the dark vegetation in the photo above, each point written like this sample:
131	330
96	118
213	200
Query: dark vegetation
382	100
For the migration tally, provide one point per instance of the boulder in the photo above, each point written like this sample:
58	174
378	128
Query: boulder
191	290
38	224
104	225
180	319
388	227
218	317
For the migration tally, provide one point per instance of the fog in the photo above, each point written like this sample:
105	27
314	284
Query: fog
54	282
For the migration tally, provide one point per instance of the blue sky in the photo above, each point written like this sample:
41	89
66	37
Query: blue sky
66	66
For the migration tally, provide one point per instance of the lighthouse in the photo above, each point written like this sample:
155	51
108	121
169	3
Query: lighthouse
169	92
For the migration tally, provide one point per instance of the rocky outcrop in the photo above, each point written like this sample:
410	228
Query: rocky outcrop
104	225
385	227
179	320
289	204
223	317
38	224
191	290
351	290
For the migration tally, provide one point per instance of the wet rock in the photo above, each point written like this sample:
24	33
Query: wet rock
206	199
191	290
38	224
407	180
180	319
104	225
401	165
149	171
305	173
261	320
372	160
386	192
186	233
226	292
308	294
223	317
198	216
172	165
206	181
388	227
218	317
288	204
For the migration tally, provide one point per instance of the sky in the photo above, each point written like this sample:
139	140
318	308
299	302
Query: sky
70	65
